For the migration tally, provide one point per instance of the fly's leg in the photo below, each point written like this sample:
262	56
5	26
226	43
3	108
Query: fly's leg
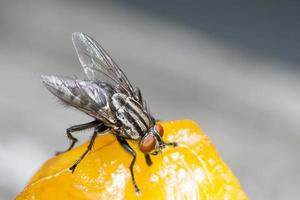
76	128
99	129
126	146
148	159
174	144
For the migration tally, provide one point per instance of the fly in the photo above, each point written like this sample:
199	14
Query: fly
114	104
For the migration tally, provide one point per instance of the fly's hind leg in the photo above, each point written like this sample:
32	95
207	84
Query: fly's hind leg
126	146
76	128
99	129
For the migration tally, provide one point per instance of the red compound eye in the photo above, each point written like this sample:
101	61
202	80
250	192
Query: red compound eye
147	144
159	129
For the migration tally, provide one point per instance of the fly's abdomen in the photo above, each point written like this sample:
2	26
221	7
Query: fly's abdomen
134	120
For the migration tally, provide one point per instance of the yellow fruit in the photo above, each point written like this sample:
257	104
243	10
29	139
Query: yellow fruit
193	170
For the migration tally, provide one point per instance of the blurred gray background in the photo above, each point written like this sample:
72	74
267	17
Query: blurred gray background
232	67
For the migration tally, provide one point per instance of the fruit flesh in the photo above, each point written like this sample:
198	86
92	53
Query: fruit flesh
193	170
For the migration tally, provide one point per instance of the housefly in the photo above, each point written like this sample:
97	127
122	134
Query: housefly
108	97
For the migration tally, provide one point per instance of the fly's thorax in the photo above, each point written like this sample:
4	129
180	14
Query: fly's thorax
118	101
133	118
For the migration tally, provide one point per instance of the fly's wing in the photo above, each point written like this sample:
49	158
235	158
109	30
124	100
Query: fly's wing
87	96
96	63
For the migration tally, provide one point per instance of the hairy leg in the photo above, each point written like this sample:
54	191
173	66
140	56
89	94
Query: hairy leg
76	128
99	129
126	146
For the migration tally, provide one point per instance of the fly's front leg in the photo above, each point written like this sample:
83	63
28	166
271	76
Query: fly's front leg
126	146
148	159
76	128
174	144
99	129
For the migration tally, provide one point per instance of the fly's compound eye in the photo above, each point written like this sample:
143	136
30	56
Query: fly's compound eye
159	129
147	144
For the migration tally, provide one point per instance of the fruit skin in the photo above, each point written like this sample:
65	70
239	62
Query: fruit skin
193	170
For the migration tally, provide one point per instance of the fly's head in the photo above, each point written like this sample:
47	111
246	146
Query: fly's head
152	142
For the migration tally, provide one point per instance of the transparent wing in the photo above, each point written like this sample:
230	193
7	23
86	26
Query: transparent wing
87	96
96	62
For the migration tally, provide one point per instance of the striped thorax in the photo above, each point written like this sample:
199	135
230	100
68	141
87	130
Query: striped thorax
135	122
